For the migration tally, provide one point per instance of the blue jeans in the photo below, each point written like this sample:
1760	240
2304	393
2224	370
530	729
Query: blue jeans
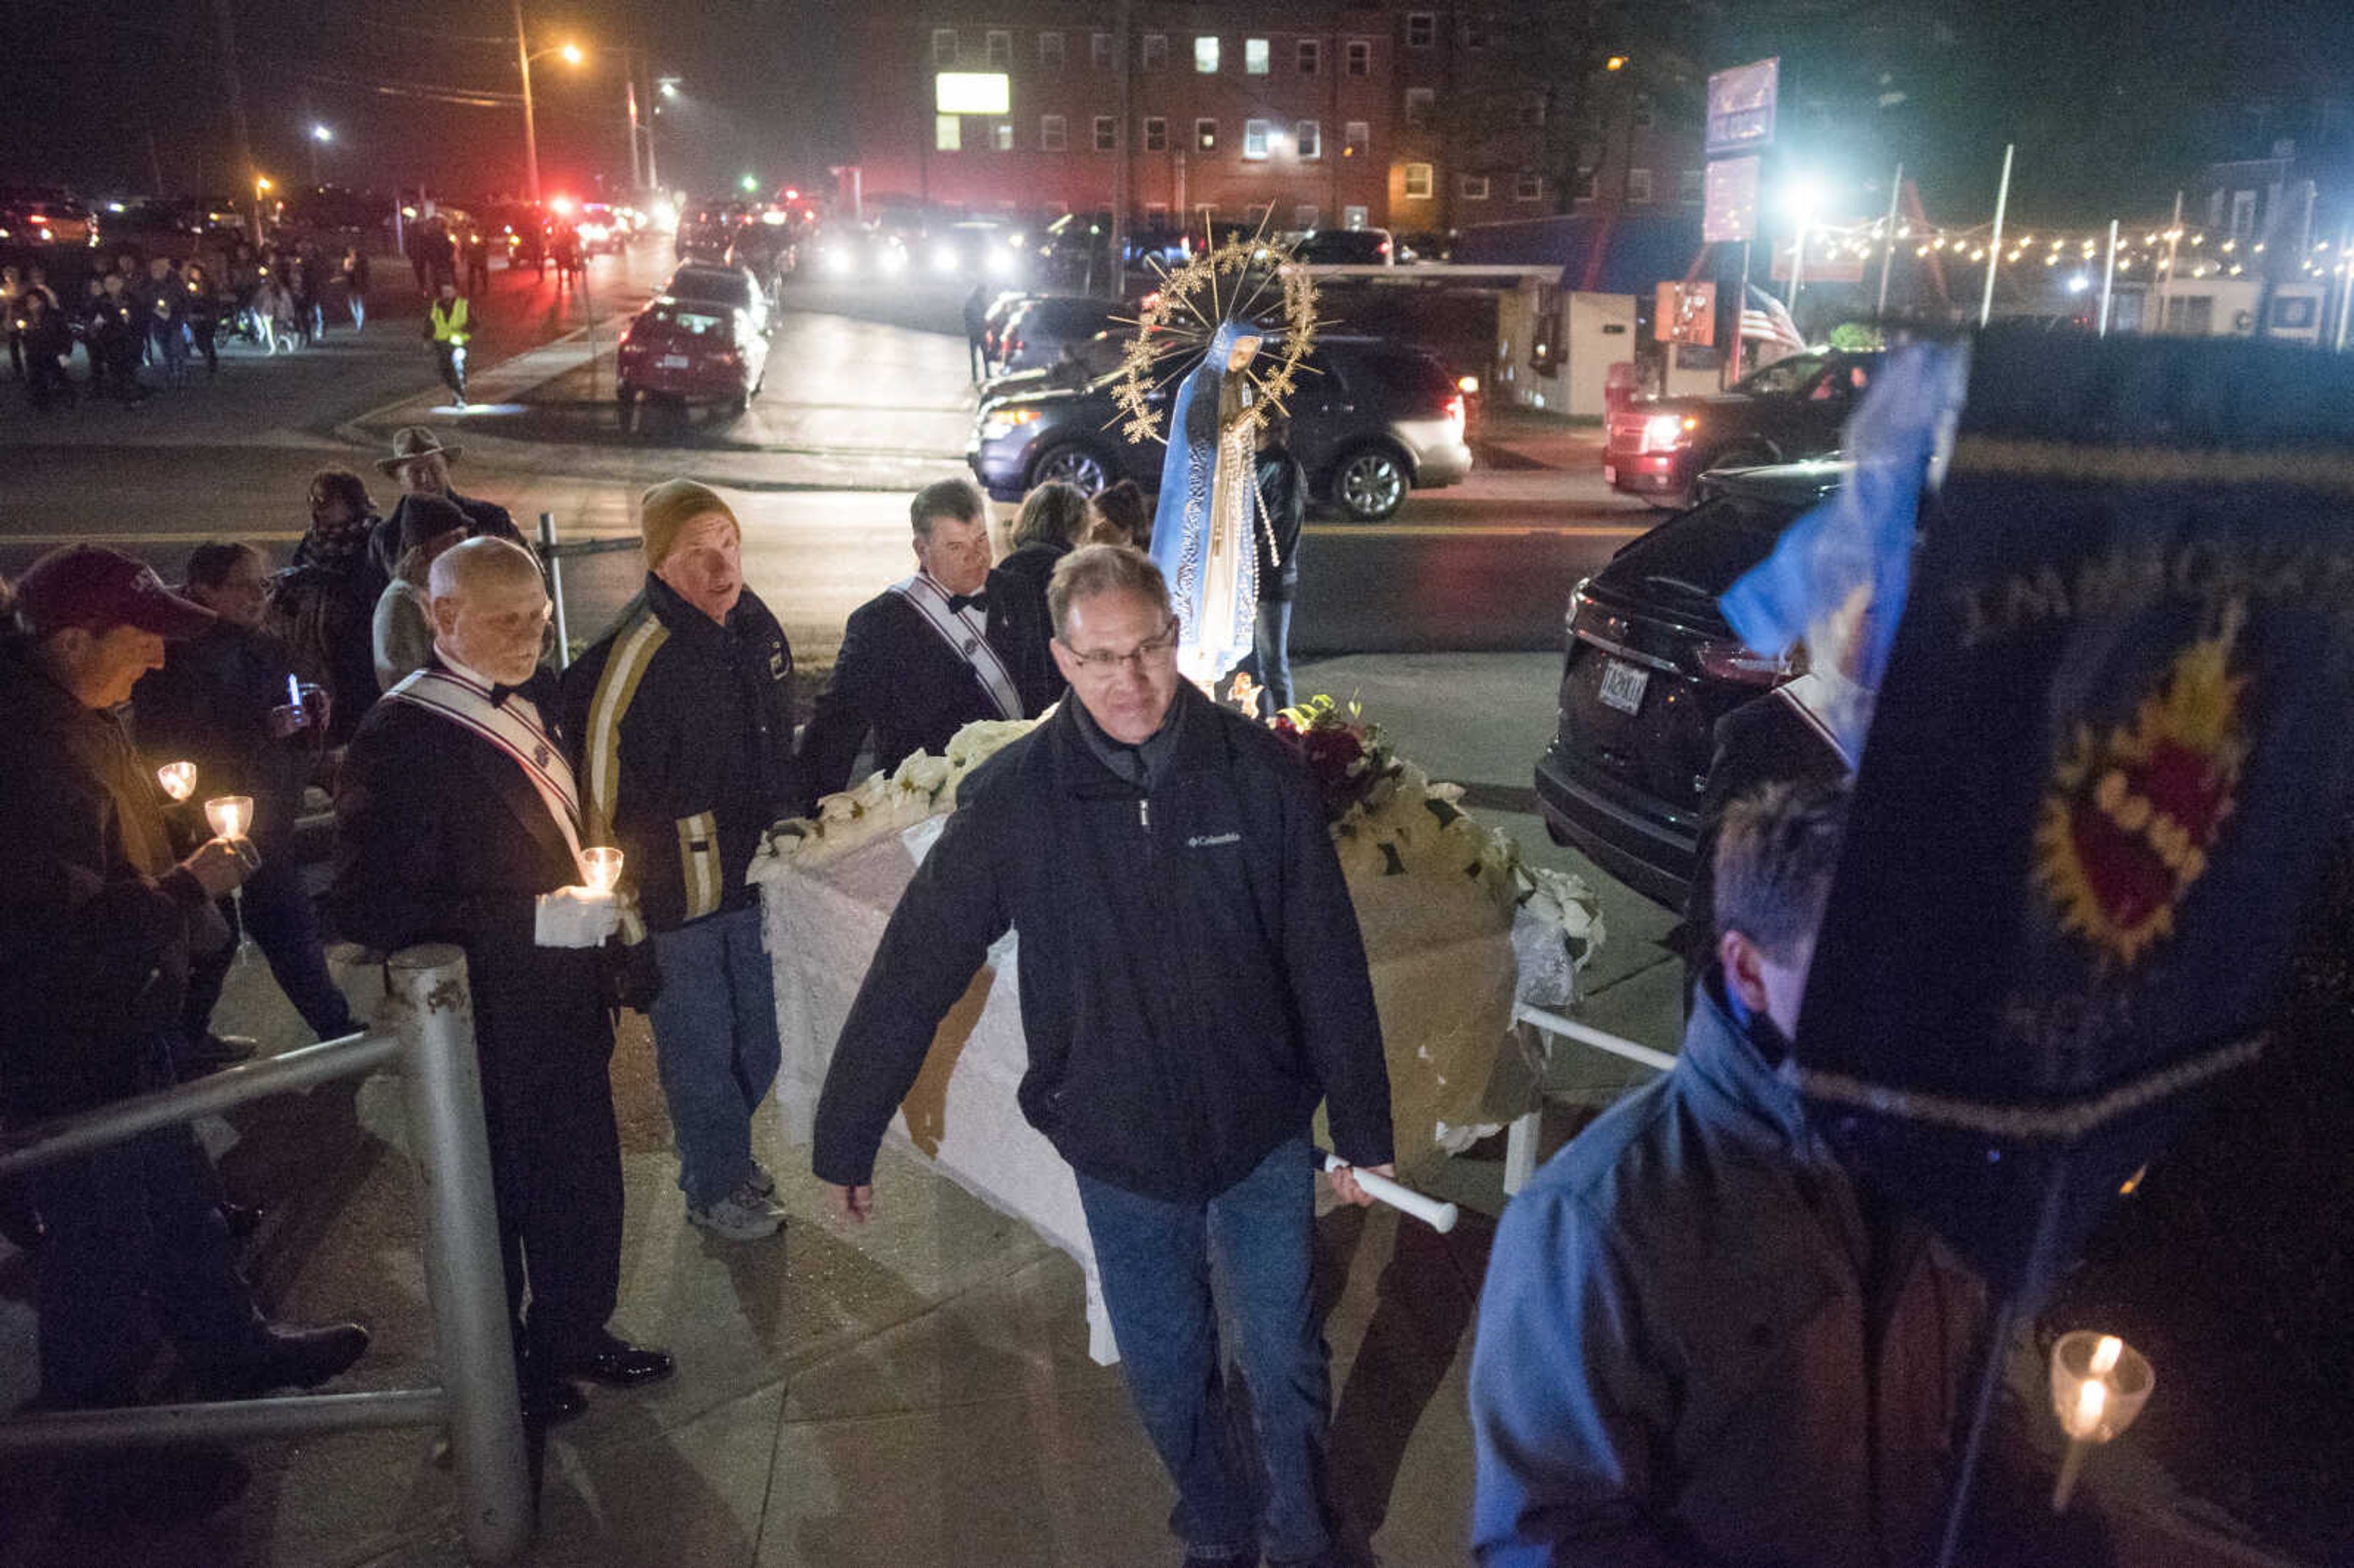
1271	647
1153	1258
714	1047
284	925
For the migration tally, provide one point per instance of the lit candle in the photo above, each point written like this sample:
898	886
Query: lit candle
600	868
229	815
178	779
2099	1384
293	692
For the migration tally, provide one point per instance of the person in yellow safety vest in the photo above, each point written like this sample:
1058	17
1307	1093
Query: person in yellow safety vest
448	325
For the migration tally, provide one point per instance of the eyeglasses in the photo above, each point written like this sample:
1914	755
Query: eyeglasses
1100	664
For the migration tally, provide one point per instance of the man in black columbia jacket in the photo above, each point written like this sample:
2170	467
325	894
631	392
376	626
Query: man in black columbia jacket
684	717
1193	984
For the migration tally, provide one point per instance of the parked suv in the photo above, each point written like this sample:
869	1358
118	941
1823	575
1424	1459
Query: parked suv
1369	420
1783	412
1034	334
1650	667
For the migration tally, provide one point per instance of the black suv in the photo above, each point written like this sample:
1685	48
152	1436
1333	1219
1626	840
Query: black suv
1783	412
1372	420
1651	666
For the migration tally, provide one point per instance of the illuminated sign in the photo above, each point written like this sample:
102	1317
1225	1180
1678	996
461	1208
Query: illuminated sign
974	93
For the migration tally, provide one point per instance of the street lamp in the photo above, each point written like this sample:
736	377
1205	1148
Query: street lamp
571	55
750	183
1804	198
320	136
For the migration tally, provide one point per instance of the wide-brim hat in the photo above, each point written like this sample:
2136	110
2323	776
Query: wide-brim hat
412	442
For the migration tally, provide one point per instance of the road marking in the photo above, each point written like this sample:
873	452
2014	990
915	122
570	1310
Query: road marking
1476	530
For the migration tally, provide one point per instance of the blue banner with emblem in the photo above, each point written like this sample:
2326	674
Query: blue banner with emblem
2113	742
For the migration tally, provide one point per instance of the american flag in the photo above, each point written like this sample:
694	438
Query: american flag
1766	320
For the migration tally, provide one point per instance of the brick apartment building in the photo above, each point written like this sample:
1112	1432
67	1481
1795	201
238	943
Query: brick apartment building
1383	112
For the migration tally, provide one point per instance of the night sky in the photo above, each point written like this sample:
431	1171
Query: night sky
2112	103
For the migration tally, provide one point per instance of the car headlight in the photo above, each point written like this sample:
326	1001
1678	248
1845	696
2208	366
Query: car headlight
1003	263
1000	423
895	260
945	258
836	260
1666	432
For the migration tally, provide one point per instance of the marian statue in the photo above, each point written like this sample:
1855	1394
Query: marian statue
1203	525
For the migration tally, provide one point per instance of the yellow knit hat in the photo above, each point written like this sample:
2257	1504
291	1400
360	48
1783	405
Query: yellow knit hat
671	506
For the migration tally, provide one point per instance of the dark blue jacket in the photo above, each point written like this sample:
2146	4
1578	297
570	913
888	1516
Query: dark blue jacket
1192	980
1696	1348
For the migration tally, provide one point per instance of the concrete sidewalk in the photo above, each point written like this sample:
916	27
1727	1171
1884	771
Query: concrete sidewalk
917	1394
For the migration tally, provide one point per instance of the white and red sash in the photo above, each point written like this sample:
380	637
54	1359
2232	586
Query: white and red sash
514	728
965	631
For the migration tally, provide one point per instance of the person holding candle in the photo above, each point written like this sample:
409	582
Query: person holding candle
459	820
97	920
683	715
1702	1339
228	700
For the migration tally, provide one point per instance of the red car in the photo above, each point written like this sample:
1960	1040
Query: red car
690	352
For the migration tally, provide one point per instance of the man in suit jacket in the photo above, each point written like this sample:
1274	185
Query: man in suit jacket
922	659
420	464
459	821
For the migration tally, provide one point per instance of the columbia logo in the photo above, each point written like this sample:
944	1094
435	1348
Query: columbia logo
1212	841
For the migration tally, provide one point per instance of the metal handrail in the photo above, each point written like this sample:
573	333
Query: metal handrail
434	1044
556	553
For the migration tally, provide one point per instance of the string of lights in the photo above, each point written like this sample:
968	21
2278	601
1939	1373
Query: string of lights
2167	250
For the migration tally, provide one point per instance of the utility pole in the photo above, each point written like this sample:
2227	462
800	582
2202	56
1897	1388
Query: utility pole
637	171
1994	251
2173	250
225	27
1888	238
530	132
1125	143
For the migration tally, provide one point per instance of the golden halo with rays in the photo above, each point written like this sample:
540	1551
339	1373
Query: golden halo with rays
1256	279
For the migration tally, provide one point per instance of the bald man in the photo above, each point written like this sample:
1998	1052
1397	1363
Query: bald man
460	821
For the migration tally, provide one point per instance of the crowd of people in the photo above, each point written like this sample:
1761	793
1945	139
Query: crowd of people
141	323
1702	1339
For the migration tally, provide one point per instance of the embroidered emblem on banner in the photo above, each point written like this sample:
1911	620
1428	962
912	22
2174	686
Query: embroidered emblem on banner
2131	817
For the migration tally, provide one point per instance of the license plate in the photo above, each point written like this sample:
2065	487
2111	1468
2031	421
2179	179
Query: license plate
676	362
1609	474
1622	685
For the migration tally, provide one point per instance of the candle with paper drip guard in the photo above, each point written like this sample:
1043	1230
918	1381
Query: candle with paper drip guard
177	779
230	815
2099	1384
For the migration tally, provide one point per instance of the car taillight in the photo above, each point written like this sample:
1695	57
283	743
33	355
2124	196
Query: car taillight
1741	665
1384	248
1454	408
1014	346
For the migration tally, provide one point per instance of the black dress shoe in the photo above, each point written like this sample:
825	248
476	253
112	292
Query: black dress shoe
293	1358
215	1051
551	1401
616	1362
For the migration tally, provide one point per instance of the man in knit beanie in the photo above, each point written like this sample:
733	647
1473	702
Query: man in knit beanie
682	715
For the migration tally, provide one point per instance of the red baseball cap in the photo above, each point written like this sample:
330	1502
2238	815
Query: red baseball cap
92	587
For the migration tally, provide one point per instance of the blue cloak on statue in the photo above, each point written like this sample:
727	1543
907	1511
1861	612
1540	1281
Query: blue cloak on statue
1203	522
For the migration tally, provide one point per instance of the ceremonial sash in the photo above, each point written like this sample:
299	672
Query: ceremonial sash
463	702
965	631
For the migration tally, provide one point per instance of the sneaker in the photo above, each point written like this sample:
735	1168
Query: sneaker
760	1181
742	1215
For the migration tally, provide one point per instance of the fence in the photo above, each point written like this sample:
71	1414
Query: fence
433	1045
554	553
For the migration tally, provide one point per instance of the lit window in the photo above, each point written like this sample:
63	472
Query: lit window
944	46
1418	104
1638	185
1418	182
1100	48
1000	49
1001	136
1206	56
1050	133
1646	114
1472	187
1254	139
1528	187
1106	133
1156	133
1050	51
947	132
1205	136
1254	57
1311	57
1307	137
1421	30
1361	57
1156	51
1356	139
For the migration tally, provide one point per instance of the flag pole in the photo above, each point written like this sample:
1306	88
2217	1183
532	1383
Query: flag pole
1888	258
1994	251
2109	277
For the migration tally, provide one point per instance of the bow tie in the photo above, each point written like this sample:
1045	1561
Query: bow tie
958	601
498	695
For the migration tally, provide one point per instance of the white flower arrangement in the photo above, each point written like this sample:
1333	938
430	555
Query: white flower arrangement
882	804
